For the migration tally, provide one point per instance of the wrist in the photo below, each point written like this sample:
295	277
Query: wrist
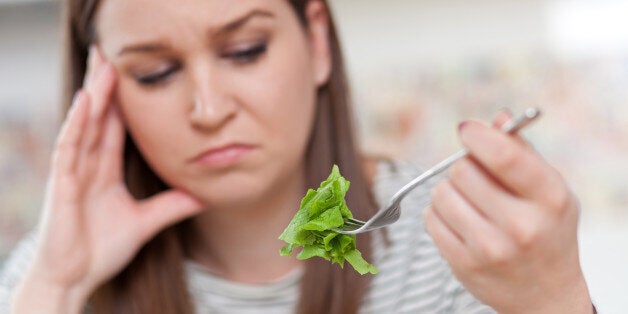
34	294
572	299
576	300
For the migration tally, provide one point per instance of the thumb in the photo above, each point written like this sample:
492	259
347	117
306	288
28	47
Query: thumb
502	117
165	209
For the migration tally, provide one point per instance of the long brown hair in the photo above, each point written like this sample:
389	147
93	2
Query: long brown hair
154	282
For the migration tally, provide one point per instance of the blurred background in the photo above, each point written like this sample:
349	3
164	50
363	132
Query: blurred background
417	67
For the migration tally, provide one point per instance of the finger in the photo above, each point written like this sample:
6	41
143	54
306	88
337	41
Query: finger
94	59
165	209
448	243
69	140
102	89
100	92
486	195
502	117
457	213
113	145
514	165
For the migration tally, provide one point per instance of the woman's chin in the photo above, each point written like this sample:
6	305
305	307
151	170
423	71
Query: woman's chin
228	195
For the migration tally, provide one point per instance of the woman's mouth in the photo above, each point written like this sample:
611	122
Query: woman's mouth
222	156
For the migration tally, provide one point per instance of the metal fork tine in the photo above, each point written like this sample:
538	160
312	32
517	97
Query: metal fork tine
355	221
353	225
346	228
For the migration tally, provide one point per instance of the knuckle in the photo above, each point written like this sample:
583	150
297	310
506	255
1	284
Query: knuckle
466	266
71	189
560	201
495	253
458	172
63	146
63	190
66	181
56	160
471	265
508	159
439	192
526	235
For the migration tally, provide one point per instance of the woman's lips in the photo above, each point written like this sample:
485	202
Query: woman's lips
223	156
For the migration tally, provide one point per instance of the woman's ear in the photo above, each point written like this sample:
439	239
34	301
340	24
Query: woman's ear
318	31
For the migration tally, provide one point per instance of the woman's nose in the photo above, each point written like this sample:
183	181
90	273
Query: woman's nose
211	111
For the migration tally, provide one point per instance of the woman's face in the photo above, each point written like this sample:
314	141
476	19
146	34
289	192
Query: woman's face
218	95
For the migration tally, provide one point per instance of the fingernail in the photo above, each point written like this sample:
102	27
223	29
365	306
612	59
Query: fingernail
505	110
462	125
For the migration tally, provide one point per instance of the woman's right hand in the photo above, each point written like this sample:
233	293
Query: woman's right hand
91	227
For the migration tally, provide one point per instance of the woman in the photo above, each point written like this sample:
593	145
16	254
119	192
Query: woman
232	110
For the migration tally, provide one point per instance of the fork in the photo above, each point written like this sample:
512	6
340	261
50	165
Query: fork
391	213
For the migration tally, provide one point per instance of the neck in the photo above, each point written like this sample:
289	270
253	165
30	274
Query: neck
242	244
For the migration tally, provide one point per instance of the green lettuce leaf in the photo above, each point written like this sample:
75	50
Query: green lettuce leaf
321	211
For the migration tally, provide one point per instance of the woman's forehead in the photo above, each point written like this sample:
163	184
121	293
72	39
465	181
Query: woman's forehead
214	11
119	22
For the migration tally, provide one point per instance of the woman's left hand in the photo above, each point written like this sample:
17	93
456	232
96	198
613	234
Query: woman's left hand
507	223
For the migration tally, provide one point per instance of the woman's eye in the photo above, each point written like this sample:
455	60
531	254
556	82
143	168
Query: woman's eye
156	77
247	55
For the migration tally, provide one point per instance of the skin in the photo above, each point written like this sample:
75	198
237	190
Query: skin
505	221
91	226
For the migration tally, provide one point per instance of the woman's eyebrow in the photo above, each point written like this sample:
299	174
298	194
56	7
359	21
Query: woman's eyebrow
142	47
227	28
234	25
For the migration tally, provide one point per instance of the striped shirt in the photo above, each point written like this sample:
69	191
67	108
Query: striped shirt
413	277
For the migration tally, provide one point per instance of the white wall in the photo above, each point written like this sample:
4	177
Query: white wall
402	33
29	58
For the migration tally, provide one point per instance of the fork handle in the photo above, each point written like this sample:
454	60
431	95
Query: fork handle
510	127
514	125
